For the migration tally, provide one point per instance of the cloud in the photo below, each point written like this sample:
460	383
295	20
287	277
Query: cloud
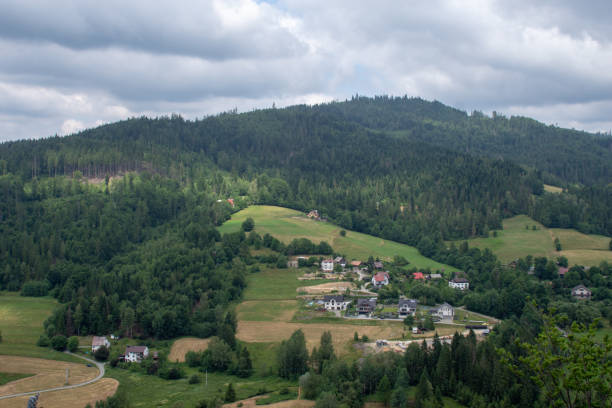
72	64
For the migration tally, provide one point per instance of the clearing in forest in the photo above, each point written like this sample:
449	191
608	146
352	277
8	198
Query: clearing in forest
286	225
518	239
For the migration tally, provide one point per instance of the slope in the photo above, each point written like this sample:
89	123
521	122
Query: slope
286	225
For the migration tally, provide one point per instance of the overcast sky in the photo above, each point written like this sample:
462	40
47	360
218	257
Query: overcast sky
67	65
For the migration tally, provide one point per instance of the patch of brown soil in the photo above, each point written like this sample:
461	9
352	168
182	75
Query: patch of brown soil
327	288
181	346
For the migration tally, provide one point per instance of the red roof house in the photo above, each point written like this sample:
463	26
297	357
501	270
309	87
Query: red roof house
418	276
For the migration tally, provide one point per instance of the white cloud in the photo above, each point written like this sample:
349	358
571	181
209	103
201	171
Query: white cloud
71	64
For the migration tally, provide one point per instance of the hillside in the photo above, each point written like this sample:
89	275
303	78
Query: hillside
517	241
286	225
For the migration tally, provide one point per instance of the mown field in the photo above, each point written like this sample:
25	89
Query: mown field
517	241
286	224
21	323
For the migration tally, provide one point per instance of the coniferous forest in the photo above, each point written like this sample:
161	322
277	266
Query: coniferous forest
119	224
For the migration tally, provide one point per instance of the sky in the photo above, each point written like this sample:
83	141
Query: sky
69	65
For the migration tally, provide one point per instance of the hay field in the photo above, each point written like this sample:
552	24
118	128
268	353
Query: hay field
49	374
267	310
286	224
73	398
552	189
267	332
181	346
326	288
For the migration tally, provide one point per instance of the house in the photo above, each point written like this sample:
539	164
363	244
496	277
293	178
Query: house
378	265
435	276
340	261
380	279
98	342
418	276
292	264
366	305
231	202
459	283
336	302
444	311
406	306
327	265
135	354
356	264
581	292
314	214
562	271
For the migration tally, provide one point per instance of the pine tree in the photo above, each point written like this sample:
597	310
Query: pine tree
230	394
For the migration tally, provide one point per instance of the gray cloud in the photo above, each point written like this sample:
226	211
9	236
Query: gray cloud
72	64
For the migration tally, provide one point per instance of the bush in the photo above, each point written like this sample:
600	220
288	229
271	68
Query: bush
248	225
101	354
59	342
195	379
73	344
43	341
193	358
173	373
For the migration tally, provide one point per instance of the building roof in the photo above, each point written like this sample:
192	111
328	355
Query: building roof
563	270
435	276
363	301
328	260
337	298
460	280
98	341
409	302
381	276
355	263
418	275
135	349
581	286
378	265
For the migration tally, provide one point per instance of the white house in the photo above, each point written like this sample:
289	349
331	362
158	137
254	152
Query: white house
98	342
135	354
336	302
380	279
327	265
581	292
459	283
407	306
444	311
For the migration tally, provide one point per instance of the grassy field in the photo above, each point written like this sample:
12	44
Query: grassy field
276	284
552	189
8	377
21	323
517	241
286	224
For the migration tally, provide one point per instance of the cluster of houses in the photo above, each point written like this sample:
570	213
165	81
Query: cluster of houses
133	354
367	306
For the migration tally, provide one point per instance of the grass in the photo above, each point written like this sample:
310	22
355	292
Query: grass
552	189
516	241
9	377
276	284
286	224
21	323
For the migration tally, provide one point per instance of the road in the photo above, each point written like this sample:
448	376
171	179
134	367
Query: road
65	387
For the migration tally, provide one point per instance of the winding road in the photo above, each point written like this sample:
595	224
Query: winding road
65	387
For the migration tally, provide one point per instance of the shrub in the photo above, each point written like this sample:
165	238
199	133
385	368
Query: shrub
43	341
173	373
101	354
59	342
248	225
195	379
73	344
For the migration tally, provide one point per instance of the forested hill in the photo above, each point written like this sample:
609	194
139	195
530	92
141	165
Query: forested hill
563	155
373	165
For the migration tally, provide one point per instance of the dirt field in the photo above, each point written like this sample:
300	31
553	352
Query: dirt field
327	288
49	373
264	332
182	346
250	403
74	398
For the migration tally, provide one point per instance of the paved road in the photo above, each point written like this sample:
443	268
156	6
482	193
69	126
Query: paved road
66	387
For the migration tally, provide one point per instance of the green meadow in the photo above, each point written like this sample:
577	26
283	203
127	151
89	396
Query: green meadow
21	324
518	239
286	224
